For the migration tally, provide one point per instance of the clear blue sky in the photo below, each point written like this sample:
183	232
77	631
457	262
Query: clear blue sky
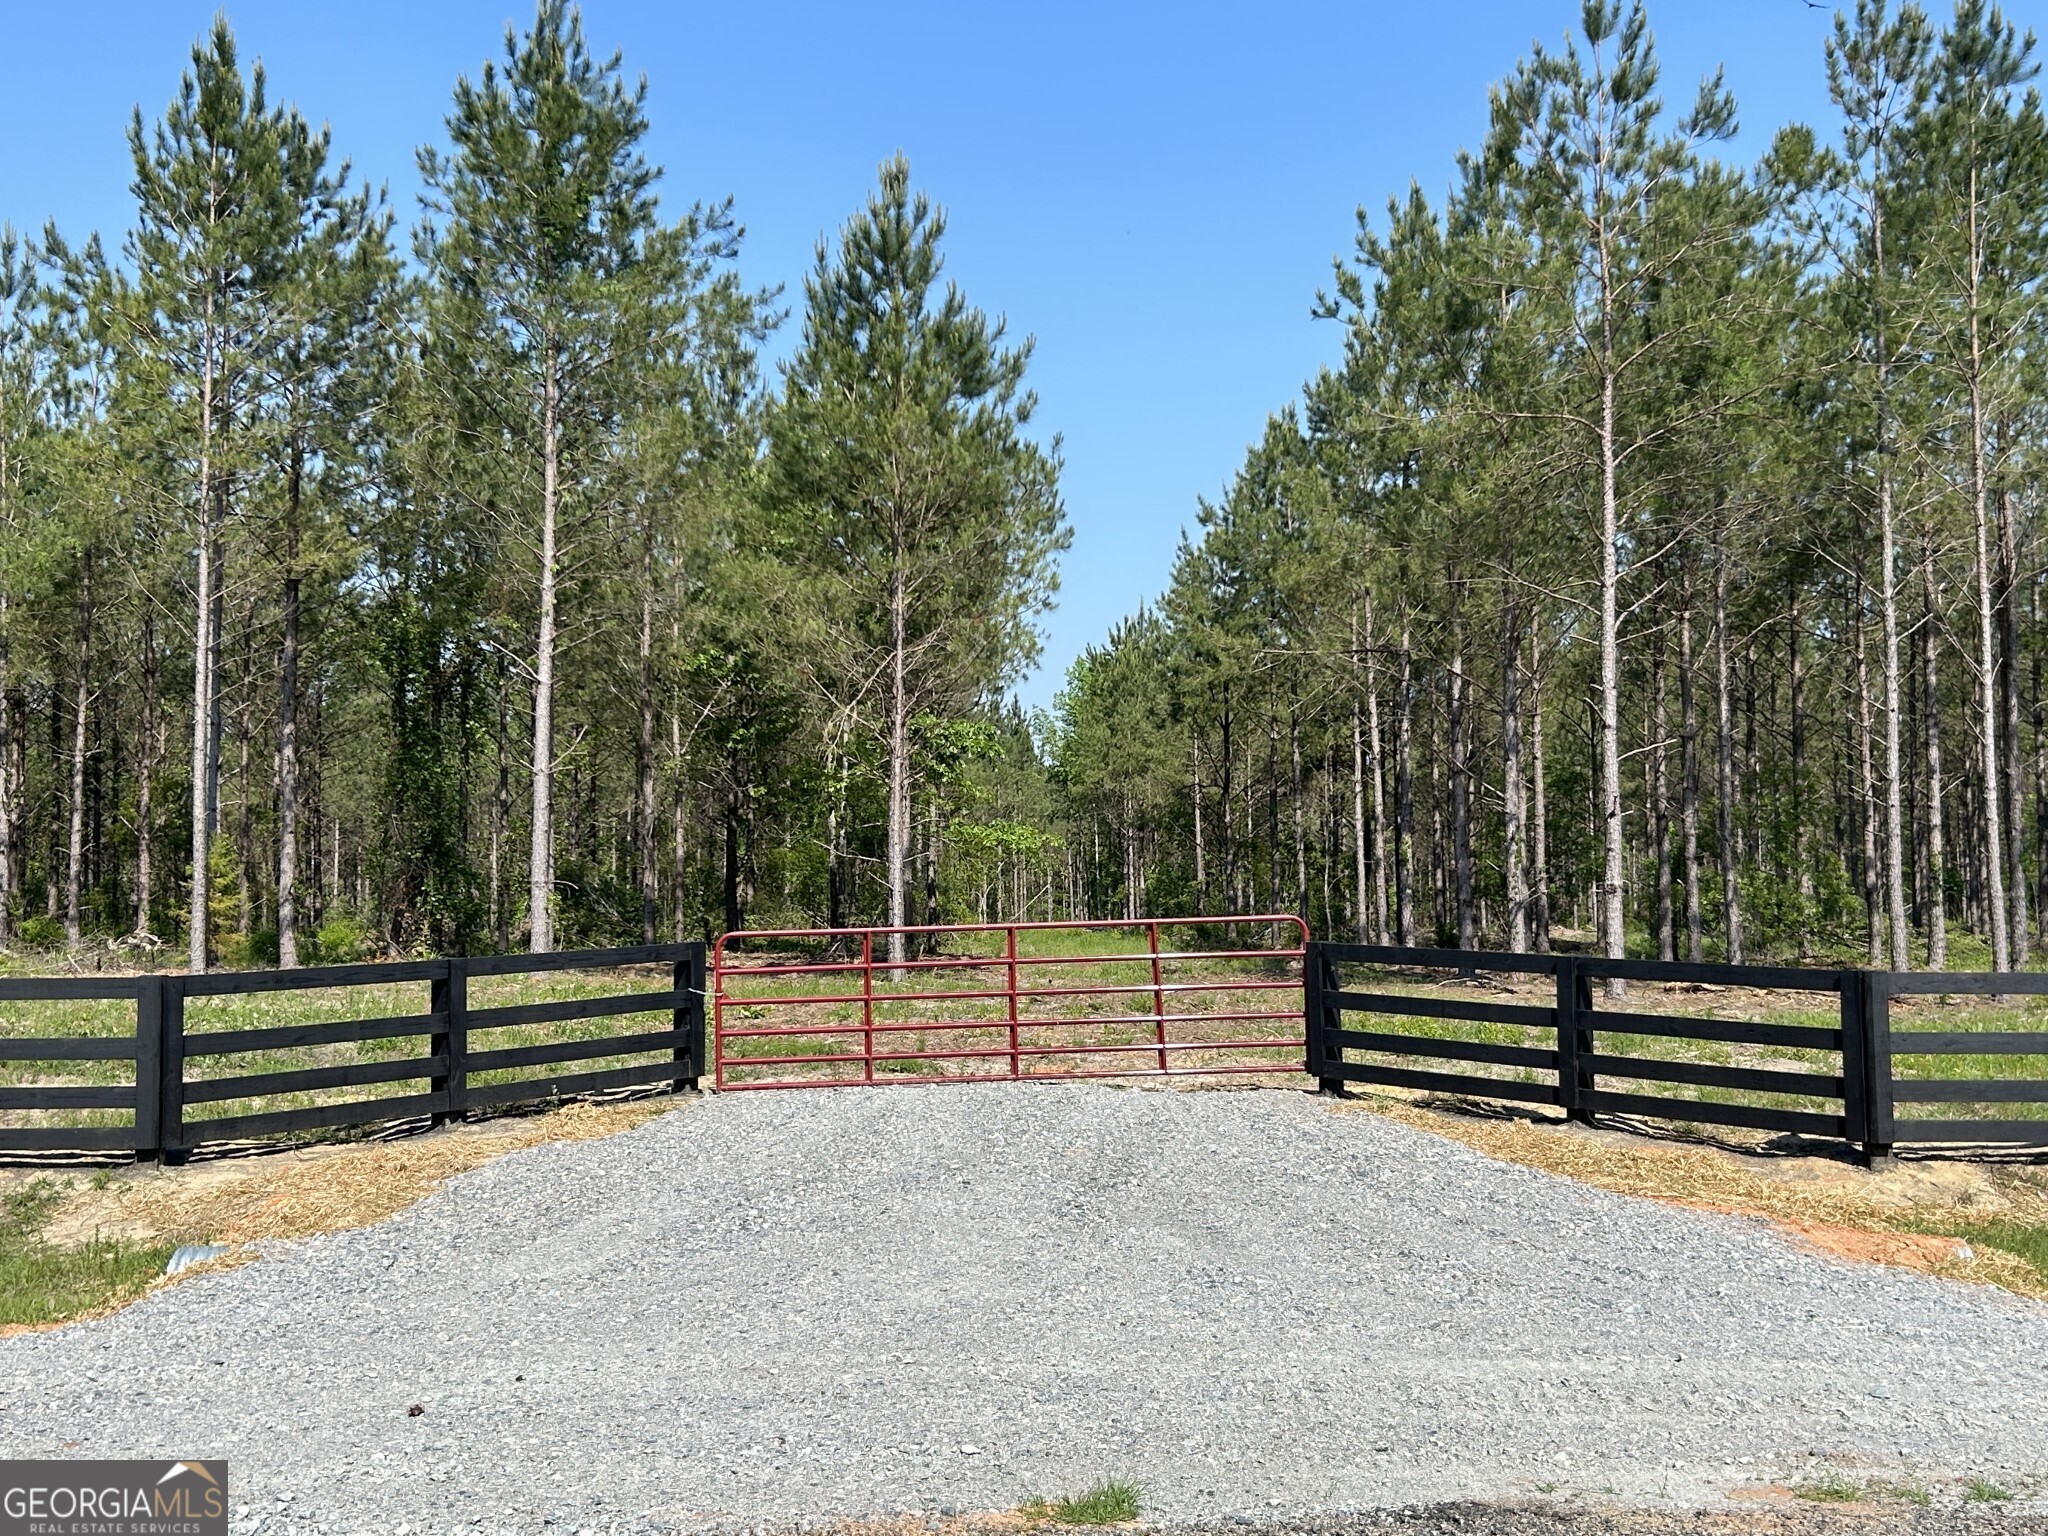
1154	192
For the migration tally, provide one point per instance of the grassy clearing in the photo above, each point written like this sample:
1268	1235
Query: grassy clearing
43	1282
1114	1502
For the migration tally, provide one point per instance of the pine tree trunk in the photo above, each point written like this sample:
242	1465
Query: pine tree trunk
1689	782
145	784
645	811
288	781
1299	795
245	879
75	848
1404	787
1795	641
198	935
1731	885
1888	608
2040	767
899	757
1514	855
1660	805
1362	868
1992	830
1461	789
735	913
1539	807
1612	911
1872	901
540	899
1936	874
10	786
501	820
1379	798
1195	804
678	875
2009	674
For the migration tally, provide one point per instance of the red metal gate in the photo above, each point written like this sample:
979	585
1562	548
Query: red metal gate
999	1002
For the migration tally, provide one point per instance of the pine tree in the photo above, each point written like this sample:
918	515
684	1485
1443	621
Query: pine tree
212	222
902	482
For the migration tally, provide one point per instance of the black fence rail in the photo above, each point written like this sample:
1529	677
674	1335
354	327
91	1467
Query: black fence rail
126	1066
1832	1069
1930	1053
194	1080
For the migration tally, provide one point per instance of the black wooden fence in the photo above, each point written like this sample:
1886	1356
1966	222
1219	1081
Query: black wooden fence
1845	1080
450	1062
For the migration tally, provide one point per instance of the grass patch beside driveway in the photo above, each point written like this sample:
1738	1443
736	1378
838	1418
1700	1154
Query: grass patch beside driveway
42	1282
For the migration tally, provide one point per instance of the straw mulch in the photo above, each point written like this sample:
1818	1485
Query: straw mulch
320	1188
1837	1208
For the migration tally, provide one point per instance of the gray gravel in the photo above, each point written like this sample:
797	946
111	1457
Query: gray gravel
770	1306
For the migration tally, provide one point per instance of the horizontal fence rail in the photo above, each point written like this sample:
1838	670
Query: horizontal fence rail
1837	1068
1007	1002
176	1076
158	1065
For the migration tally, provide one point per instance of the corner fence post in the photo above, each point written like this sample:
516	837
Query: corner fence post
170	1125
149	1069
689	1018
448	996
1877	1067
1319	1016
1574	1043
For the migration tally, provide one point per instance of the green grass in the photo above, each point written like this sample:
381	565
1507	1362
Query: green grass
1114	1502
41	1282
1978	1491
1829	1488
2023	1240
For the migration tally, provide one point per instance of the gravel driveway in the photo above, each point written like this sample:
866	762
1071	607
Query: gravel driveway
775	1305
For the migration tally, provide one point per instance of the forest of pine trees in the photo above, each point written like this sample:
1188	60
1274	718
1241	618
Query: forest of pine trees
1661	567
1658	566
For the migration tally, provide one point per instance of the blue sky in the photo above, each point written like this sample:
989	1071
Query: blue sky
1154	192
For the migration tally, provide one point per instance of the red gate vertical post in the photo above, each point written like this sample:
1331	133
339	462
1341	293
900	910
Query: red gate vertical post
867	1005
1158	996
1016	1063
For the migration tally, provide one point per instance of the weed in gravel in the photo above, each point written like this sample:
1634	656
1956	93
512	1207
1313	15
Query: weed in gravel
1829	1488
1906	1493
41	1282
1979	1491
1108	1503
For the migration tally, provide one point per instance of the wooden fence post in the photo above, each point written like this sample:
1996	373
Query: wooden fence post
1574	1039
1877	1067
689	1018
1320	1017
149	1069
171	1073
448	996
